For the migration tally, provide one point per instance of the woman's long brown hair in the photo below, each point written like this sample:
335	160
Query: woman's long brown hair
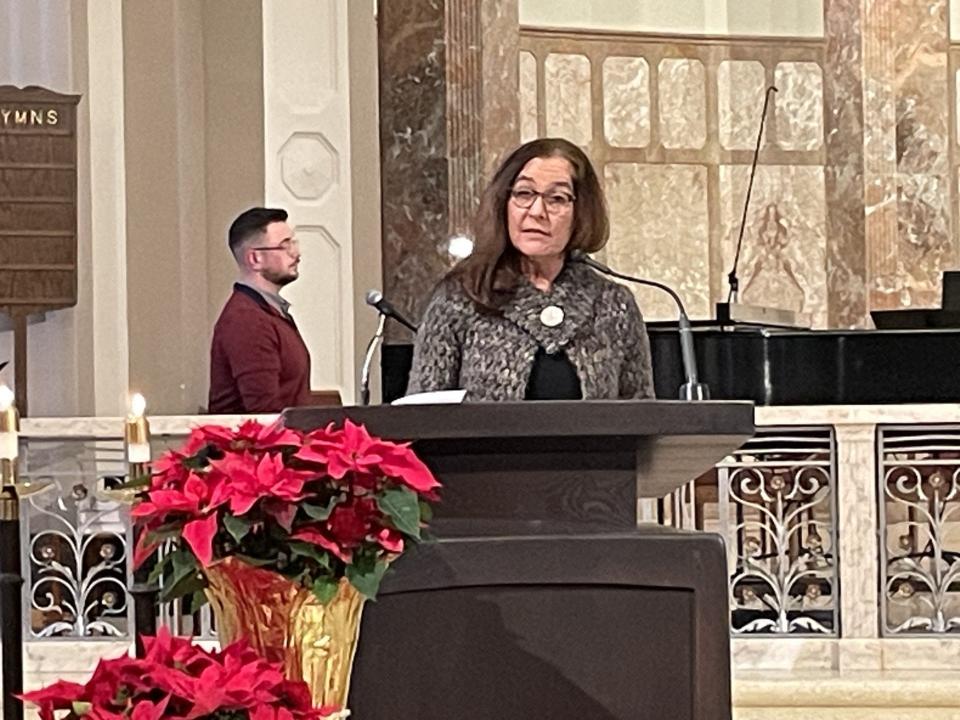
492	272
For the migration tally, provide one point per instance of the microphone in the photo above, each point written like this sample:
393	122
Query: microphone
692	388
732	278
375	299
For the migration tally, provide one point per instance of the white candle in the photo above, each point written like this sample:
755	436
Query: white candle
9	446
9	425
138	453
137	431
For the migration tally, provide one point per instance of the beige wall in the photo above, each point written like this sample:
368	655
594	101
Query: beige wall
365	178
45	44
166	204
233	78
711	17
194	155
199	151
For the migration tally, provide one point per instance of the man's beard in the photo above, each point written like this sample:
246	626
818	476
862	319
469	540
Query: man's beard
280	278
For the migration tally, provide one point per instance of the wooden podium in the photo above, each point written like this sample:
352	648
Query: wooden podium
542	596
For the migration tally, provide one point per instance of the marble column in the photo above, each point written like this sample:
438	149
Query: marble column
449	107
887	167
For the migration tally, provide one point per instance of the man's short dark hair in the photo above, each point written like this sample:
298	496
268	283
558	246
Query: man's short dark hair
252	222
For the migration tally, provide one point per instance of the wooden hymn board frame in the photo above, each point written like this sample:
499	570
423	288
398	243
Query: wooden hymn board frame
38	211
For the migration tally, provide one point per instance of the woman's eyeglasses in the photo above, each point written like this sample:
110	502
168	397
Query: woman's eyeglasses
553	200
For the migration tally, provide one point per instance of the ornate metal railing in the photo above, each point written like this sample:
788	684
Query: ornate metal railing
75	540
774	501
777	509
919	499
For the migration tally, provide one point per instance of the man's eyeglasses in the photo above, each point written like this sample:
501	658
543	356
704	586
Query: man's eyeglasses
555	201
288	246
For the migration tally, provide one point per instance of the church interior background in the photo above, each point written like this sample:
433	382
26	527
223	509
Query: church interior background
376	123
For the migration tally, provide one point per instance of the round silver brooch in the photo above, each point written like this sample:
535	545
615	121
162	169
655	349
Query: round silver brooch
551	316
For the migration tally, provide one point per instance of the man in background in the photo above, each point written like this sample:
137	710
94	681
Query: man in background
258	360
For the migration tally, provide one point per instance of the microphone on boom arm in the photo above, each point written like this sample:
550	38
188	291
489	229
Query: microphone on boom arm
385	309
692	388
375	299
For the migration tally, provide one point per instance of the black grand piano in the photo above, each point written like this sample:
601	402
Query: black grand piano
912	356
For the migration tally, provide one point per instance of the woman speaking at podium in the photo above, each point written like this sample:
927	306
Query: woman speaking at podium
518	319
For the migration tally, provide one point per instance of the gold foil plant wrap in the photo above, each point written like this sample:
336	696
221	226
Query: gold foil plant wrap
286	623
285	532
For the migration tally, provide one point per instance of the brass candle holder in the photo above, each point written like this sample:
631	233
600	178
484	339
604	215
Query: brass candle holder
136	437
137	453
9	437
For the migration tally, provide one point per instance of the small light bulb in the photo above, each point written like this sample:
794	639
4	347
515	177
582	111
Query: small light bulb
6	398
460	246
138	405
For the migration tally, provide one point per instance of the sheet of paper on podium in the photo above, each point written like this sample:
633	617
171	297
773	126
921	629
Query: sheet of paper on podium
438	397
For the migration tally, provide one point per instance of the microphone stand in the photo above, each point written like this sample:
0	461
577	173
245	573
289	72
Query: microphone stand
732	312
732	275
368	360
692	388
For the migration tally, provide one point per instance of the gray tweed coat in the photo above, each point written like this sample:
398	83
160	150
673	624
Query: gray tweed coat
491	356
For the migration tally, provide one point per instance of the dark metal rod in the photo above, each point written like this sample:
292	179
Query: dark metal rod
11	610
144	610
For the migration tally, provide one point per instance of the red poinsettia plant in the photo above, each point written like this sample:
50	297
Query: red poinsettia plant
177	680
313	506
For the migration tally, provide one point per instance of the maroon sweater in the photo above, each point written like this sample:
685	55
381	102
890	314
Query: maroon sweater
258	361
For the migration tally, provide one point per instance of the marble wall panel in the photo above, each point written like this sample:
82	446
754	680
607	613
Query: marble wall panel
413	150
626	101
498	35
568	111
783	259
878	145
528	96
844	92
926	243
683	103
740	88
956	96
659	230
799	105
449	109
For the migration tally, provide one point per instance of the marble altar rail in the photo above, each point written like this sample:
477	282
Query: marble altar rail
843	544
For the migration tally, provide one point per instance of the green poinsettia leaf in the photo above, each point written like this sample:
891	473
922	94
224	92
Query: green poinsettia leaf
135	483
188	585
402	506
185	577
308	550
367	579
81	708
325	588
158	570
238	527
167	531
256	562
321	512
426	511
198	600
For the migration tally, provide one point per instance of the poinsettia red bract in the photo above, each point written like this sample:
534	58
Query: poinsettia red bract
178	681
316	507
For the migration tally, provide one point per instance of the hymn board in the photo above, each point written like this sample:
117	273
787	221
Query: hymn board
38	211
